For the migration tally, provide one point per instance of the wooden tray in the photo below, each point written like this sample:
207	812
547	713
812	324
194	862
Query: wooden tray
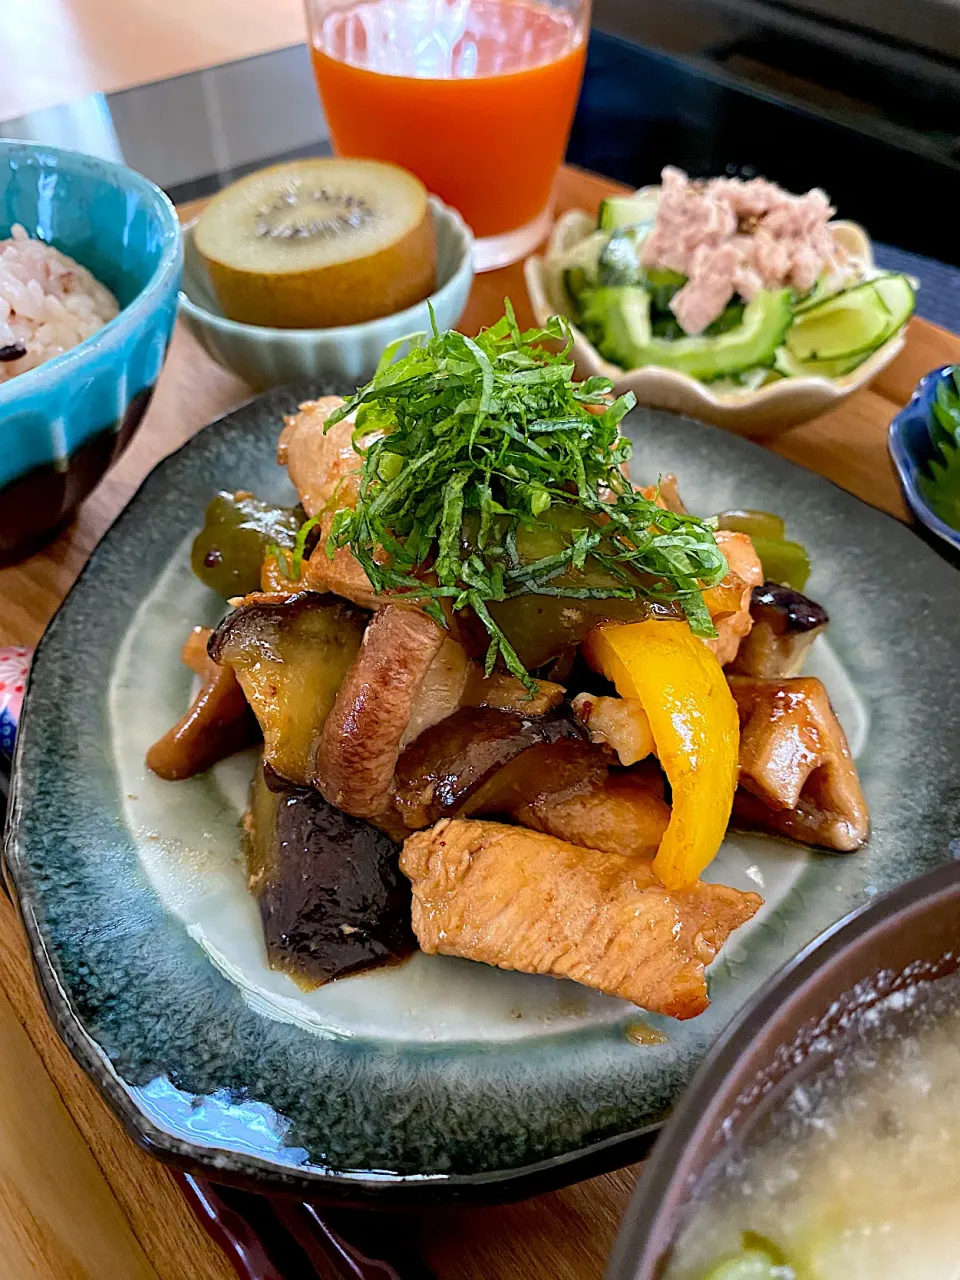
77	1197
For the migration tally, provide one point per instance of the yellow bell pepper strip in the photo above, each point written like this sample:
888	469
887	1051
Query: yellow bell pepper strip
695	726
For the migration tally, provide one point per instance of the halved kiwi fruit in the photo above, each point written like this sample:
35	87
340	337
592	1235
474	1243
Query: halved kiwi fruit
316	243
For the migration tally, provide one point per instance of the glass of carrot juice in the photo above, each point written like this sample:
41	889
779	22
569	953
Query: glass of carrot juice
476	97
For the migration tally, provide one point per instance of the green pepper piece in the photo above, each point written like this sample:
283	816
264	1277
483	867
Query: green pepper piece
540	626
758	524
783	561
229	550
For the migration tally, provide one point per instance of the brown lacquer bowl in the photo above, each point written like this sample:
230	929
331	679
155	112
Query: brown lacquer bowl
914	929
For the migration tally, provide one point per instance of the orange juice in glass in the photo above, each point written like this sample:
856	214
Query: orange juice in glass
475	97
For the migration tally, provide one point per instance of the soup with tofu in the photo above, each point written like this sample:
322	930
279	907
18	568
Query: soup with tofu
851	1170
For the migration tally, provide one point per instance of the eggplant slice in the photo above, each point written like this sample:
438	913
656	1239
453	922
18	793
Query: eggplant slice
217	723
331	895
438	774
290	654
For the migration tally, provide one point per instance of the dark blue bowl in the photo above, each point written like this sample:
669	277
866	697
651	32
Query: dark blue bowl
63	423
912	449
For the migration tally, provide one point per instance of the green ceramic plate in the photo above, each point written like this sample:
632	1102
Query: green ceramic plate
440	1077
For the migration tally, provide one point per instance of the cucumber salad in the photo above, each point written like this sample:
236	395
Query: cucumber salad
737	283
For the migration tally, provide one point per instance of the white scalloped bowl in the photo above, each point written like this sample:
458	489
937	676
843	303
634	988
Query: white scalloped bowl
760	414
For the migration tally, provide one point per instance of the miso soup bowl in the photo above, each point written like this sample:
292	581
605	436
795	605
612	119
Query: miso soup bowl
912	932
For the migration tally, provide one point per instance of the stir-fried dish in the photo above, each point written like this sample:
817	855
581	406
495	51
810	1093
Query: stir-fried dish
509	703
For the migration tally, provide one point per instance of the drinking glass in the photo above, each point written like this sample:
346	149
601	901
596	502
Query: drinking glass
476	97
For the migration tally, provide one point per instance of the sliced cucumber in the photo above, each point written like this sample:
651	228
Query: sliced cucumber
827	286
746	379
791	367
618	263
819	293
618	319
625	211
729	318
666	325
662	285
898	296
585	253
753	342
847	323
576	282
664	278
854	322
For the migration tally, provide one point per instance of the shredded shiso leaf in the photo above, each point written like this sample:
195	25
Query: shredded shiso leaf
482	436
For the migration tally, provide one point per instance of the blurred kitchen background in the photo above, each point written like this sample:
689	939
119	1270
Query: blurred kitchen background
861	97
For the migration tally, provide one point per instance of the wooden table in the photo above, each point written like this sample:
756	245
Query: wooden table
56	53
77	1197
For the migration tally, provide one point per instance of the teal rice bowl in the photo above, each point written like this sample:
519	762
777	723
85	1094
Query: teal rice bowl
64	421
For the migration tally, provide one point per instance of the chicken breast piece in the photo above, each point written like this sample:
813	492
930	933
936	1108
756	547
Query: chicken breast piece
325	467
521	900
343	574
729	601
623	813
618	723
666	494
322	463
796	772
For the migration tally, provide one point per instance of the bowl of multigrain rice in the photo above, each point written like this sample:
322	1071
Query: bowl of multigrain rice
90	266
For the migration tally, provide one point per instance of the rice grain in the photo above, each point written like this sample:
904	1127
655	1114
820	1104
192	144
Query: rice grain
48	303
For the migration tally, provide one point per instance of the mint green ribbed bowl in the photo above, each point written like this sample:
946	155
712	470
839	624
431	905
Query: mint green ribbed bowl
273	357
